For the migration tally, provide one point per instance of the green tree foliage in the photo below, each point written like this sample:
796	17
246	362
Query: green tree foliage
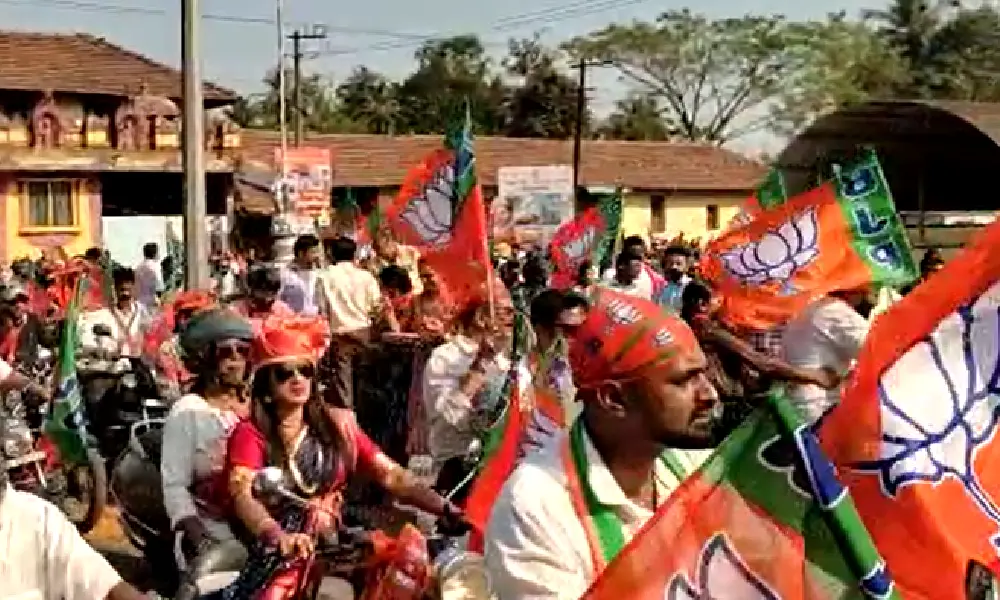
710	74
638	117
950	52
543	100
688	76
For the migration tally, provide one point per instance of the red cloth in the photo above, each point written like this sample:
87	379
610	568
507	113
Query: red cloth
248	449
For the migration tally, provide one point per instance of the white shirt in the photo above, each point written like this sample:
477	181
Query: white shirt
635	289
828	333
148	282
349	296
536	548
196	436
43	556
298	289
642	287
127	329
450	412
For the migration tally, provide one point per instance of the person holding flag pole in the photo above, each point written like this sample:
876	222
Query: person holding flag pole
648	419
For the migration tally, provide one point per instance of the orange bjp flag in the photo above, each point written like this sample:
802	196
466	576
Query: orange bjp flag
842	235
440	211
914	437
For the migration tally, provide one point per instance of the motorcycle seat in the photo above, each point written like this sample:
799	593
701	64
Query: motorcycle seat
152	444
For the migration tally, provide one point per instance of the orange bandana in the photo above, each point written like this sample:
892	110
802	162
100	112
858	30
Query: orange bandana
623	335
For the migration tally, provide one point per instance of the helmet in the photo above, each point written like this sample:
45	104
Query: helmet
212	326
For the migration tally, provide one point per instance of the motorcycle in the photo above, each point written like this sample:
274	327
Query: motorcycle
119	391
33	463
369	565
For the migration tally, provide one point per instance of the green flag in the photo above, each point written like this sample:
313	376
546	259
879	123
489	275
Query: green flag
64	424
764	517
772	191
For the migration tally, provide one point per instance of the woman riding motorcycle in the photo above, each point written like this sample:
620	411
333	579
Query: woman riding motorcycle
216	347
316	446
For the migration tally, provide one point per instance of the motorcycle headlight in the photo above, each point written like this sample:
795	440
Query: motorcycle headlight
11	448
130	381
463	576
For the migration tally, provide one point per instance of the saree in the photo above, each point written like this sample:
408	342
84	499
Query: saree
313	472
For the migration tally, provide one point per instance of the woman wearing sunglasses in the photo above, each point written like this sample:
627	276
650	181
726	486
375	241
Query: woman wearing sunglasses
318	449
216	346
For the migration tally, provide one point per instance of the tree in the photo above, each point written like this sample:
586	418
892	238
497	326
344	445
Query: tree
370	99
715	78
542	101
637	117
318	100
450	74
831	64
950	52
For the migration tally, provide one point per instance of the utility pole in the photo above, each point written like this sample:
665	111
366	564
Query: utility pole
581	107
195	208
317	33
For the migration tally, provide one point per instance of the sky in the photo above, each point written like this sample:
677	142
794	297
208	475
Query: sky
239	37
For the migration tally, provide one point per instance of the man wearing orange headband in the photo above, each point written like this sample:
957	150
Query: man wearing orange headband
649	414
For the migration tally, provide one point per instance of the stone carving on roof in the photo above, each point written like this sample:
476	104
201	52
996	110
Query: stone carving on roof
49	126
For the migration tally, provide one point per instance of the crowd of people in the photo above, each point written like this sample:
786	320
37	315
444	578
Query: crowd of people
334	366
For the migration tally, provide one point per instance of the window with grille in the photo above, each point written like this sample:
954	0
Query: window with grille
47	204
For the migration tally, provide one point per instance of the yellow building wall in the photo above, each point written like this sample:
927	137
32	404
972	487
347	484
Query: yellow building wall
683	213
20	241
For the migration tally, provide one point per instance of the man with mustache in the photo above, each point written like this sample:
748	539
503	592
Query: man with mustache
649	414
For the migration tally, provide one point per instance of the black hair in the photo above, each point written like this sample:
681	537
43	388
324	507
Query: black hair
694	293
123	275
150	250
304	243
573	300
395	278
343	249
94	253
583	271
633	241
545	308
534	271
264	279
677	250
314	415
624	257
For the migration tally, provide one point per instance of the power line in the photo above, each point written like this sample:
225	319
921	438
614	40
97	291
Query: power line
84	6
555	15
571	10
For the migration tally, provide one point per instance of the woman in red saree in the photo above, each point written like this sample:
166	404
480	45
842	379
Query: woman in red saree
318	449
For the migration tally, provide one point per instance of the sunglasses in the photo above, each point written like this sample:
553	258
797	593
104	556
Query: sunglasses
232	350
283	373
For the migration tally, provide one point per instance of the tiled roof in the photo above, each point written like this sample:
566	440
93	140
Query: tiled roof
382	161
85	64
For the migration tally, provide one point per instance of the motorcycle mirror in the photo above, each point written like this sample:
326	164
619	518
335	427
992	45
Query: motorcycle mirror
102	330
269	480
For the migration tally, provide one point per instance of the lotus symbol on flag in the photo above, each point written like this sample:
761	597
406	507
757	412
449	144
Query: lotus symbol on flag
778	254
940	403
719	575
431	215
577	249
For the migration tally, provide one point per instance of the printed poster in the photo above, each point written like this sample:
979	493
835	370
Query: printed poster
308	187
532	202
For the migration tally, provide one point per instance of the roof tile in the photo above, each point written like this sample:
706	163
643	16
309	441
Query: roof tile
382	161
85	64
